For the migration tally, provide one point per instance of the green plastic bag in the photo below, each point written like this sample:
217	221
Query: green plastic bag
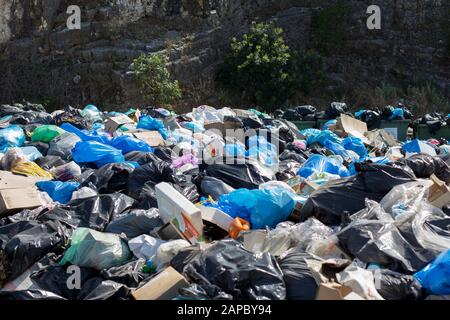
98	250
46	133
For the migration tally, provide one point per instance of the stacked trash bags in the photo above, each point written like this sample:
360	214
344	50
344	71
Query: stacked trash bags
284	214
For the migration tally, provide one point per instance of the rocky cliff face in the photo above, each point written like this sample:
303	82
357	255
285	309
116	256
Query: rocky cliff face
41	59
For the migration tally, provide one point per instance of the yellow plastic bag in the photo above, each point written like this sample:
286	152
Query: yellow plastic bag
30	169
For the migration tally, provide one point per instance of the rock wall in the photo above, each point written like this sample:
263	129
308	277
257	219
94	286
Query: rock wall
41	59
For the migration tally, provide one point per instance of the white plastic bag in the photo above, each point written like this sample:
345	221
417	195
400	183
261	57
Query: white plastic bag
145	246
167	250
361	281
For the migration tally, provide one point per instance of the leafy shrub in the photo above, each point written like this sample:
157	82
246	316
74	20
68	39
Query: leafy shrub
154	80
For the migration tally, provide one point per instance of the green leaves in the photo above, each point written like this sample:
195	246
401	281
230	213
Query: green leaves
154	80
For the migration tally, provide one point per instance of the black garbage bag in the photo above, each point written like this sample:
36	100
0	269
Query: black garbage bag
292	115
238	175
299	279
184	257
149	174
72	116
25	242
49	162
135	222
335	109
58	280
97	288
32	294
424	165
41	146
397	286
110	178
291	155
372	118
214	187
198	292
93	213
165	154
238	272
434	121
373	241
182	184
305	110
278	114
387	112
252	123
129	274
287	169
373	181
141	157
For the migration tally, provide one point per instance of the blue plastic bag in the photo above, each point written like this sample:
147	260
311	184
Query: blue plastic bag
319	163
310	132
323	136
11	137
328	124
359	113
32	153
91	113
235	150
85	135
435	277
96	152
128	144
397	114
339	150
150	123
57	190
261	208
356	145
193	126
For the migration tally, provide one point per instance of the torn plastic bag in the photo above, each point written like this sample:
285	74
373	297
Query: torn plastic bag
425	165
319	163
214	187
46	133
238	272
301	283
151	173
109	178
95	212
373	181
99	289
128	144
13	136
361	282
57	190
135	222
246	175
141	157
396	286
97	250
25	242
435	276
98	153
55	278
49	162
129	274
260	207
62	145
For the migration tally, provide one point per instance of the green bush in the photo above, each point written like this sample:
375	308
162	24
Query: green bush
263	68
154	80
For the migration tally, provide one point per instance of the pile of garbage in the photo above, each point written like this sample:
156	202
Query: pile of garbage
218	204
309	113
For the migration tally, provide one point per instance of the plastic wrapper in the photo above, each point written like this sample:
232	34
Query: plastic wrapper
46	133
57	190
135	223
98	153
13	136
226	266
434	277
93	249
361	282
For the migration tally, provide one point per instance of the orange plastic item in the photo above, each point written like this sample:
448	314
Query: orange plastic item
237	226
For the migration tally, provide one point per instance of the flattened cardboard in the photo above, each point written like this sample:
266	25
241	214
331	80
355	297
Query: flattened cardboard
152	138
9	180
336	291
15	200
438	193
164	286
353	126
113	123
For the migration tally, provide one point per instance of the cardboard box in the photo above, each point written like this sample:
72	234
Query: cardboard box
216	216
302	186
438	193
183	224
164	286
173	204
152	138
336	291
113	123
15	200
